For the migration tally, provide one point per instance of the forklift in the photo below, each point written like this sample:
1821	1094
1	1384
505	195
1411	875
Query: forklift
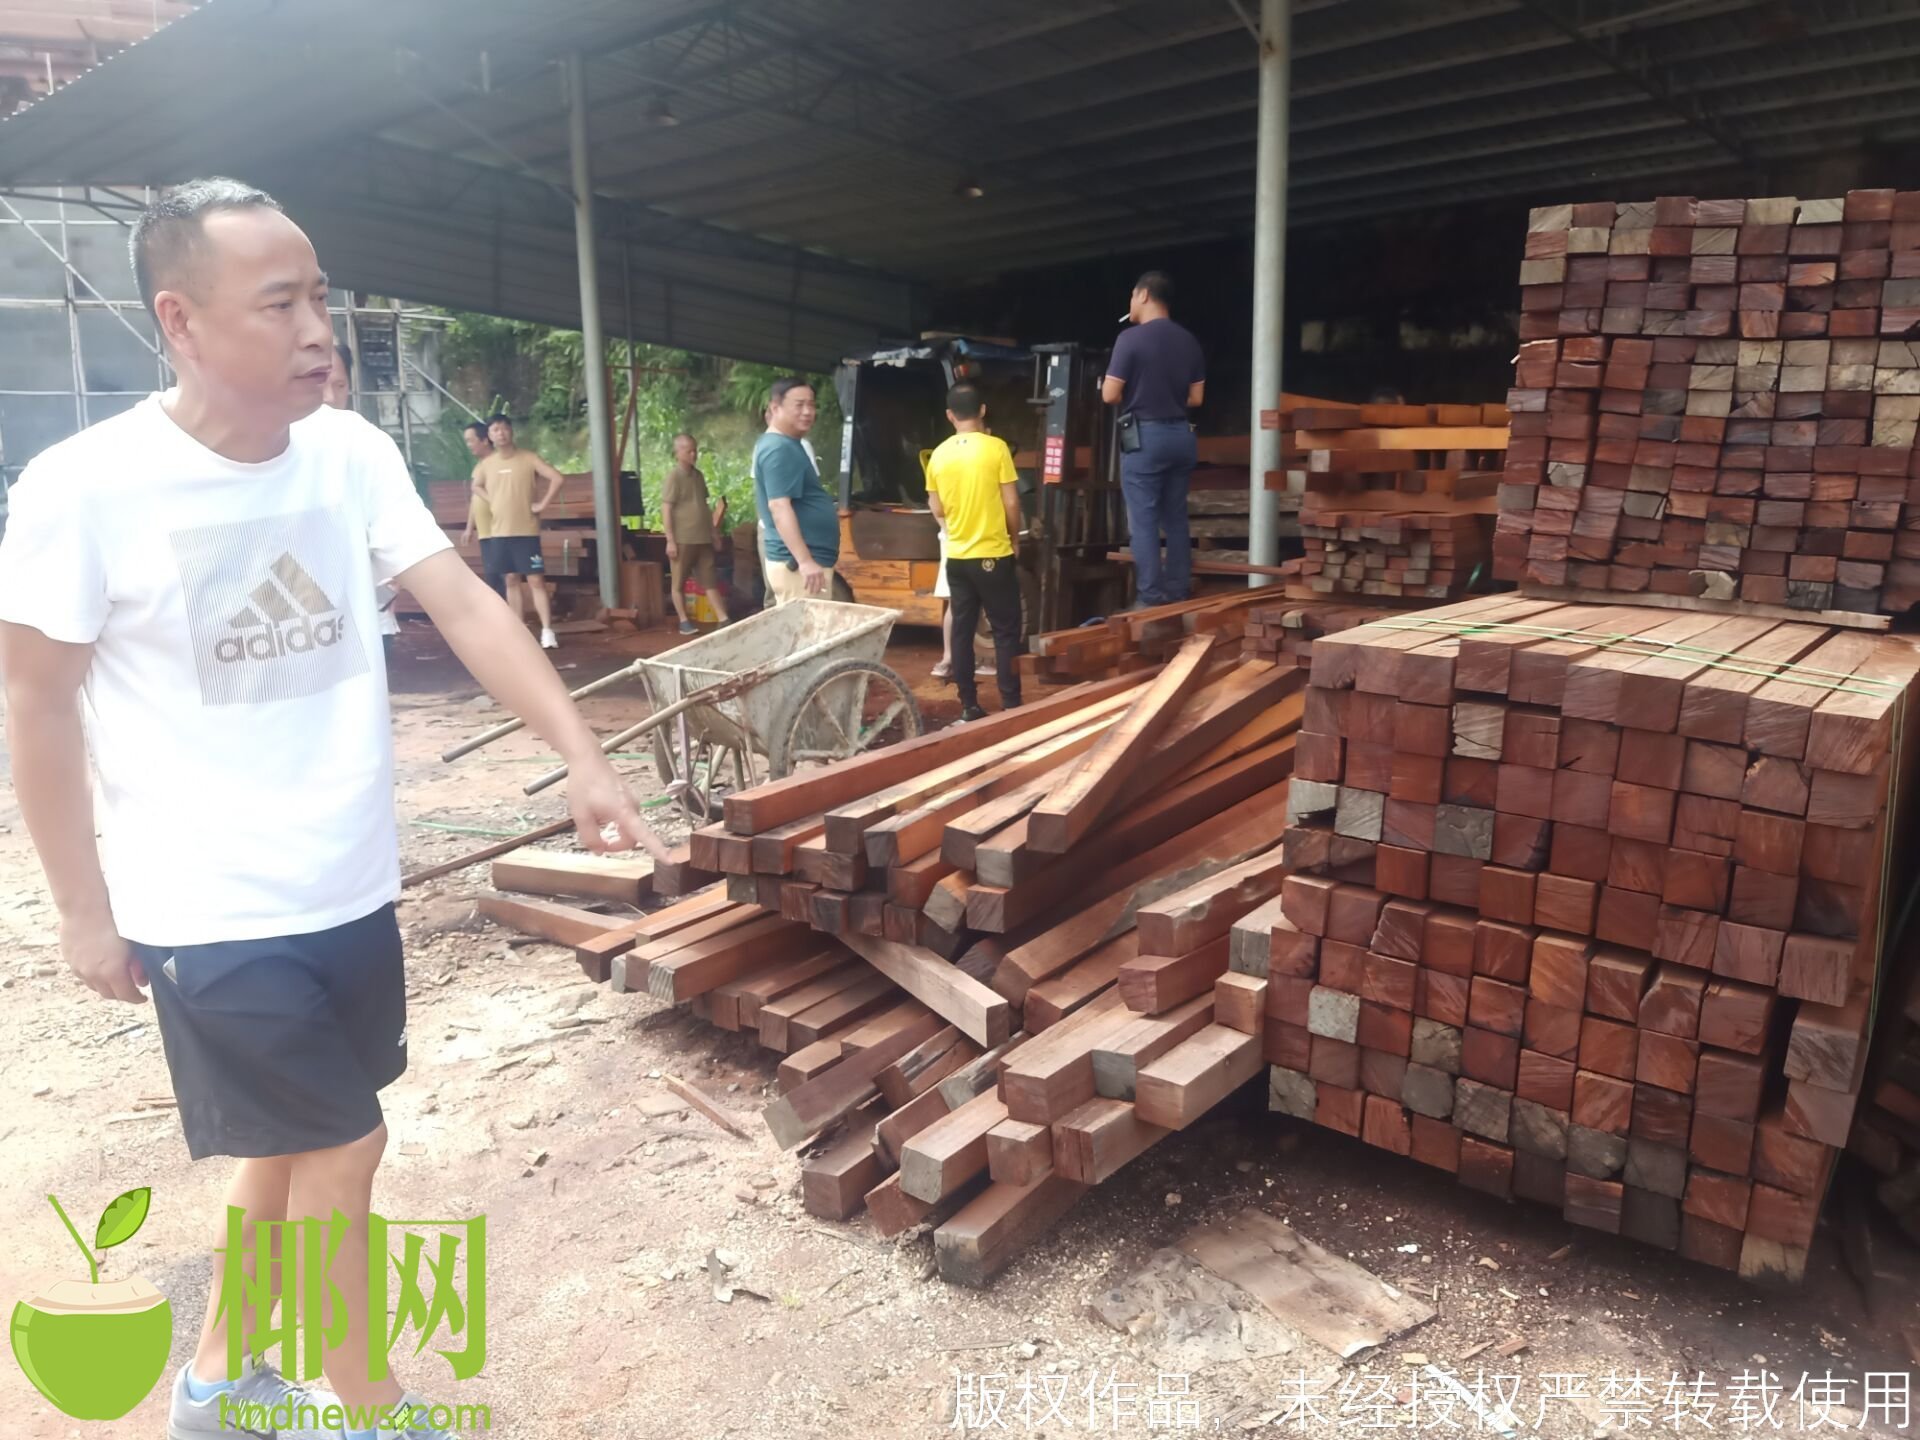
1044	401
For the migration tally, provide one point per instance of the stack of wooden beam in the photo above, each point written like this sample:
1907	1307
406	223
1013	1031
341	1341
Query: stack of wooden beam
1053	887
1591	907
1284	631
1395	499
1134	639
1719	398
1886	1134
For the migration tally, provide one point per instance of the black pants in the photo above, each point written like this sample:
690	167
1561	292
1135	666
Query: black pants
992	585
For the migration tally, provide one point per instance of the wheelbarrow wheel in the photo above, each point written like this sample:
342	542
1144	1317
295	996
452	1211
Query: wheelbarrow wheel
817	731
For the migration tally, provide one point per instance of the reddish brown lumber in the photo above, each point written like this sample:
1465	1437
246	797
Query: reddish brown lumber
1206	910
1220	839
986	1233
1186	1082
810	1108
1019	1153
1093	1141
834	1183
1052	1073
817	791
939	1159
1053	999
695	968
1073	806
1151	984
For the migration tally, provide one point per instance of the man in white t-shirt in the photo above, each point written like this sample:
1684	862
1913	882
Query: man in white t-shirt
196	577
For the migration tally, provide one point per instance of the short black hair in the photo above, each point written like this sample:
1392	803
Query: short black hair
341	348
506	420
169	230
784	384
1158	285
964	400
479	427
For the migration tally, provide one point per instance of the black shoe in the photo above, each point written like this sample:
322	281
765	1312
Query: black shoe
972	712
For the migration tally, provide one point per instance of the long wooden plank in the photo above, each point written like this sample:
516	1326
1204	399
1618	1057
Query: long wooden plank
985	1235
925	1066
1053	1072
846	825
562	924
772	851
970	1007
904	836
1194	1076
950	1151
817	791
1078	802
1052	1000
1275	707
1033	882
1152	984
697	968
1188	919
621	878
756	991
1091	1143
1119	1054
810	1108
775	1015
1219	841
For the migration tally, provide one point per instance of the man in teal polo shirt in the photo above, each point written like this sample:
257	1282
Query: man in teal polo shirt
799	523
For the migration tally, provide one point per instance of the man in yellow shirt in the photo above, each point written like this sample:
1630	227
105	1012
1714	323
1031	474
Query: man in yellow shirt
973	489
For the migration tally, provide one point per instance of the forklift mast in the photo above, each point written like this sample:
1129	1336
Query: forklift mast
1081	513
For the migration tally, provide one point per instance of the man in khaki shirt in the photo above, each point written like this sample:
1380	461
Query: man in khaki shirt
505	480
687	517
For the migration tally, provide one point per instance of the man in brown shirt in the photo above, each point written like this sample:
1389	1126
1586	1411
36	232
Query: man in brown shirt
686	514
506	480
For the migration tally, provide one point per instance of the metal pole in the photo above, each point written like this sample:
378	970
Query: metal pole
606	485
1269	279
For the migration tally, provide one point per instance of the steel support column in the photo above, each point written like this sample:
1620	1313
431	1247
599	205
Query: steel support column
1269	278
606	479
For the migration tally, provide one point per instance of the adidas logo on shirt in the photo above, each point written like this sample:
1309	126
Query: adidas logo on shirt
287	614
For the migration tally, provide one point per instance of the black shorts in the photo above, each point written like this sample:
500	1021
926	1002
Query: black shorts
512	555
278	1047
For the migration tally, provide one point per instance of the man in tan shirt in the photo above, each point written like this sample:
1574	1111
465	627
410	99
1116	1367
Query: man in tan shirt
687	517
505	480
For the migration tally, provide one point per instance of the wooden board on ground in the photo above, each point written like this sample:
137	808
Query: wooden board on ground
621	878
1333	1302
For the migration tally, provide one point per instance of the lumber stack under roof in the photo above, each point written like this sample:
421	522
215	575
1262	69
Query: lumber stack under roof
1719	398
1591	905
1283	631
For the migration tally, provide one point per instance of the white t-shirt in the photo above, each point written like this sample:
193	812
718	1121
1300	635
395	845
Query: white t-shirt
236	707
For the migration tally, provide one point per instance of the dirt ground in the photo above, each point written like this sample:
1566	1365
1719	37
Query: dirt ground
537	1099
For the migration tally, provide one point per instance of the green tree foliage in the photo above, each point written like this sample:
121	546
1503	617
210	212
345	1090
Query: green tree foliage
536	374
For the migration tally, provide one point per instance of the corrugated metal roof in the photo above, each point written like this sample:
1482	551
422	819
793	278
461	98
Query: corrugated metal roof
819	144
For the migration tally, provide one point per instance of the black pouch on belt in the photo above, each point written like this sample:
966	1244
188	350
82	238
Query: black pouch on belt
1129	428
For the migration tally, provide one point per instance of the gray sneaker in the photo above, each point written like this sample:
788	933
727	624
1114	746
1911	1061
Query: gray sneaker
415	1412
259	1385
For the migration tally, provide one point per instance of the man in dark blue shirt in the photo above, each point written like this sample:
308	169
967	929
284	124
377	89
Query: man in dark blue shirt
1157	373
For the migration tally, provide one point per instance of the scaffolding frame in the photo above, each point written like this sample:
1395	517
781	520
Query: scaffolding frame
417	397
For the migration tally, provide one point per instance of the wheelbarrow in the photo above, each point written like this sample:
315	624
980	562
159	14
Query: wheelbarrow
800	685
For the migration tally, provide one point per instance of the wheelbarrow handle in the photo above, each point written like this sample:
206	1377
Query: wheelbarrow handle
713	694
507	727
